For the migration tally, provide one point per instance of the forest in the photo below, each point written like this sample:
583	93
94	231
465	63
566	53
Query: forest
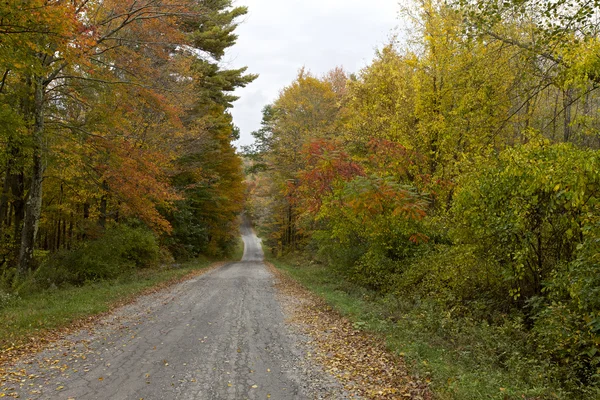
452	184
455	180
115	137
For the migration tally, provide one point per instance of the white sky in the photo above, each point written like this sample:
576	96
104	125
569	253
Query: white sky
278	37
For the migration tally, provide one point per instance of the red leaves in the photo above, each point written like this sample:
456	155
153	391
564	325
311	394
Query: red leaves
330	168
334	186
390	157
326	166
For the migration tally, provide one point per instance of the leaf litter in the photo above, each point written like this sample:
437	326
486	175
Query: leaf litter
359	360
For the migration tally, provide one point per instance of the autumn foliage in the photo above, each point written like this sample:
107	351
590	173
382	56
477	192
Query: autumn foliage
104	106
455	177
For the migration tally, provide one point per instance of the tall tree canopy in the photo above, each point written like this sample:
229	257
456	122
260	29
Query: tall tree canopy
104	106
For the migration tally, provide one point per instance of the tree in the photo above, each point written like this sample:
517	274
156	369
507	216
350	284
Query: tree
307	109
109	83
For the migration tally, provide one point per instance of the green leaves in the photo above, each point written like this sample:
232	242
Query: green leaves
530	210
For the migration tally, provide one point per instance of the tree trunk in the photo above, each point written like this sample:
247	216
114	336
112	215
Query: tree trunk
103	205
33	206
567	102
70	242
4	197
18	204
58	234
64	233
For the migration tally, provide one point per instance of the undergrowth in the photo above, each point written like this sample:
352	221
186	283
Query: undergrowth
463	358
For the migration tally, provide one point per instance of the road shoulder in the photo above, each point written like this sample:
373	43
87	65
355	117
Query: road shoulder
81	329
357	359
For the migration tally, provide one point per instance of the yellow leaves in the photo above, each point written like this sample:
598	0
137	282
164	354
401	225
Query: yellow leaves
583	61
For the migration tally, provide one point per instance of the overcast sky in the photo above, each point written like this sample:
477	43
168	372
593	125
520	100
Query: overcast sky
278	37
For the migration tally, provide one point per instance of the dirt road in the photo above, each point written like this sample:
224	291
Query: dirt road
219	336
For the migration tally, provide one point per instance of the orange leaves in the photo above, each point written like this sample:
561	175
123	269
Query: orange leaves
327	165
372	195
342	191
119	93
136	178
389	158
331	171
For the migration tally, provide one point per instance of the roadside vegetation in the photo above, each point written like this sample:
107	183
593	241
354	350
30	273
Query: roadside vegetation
448	195
460	358
31	314
77	285
61	294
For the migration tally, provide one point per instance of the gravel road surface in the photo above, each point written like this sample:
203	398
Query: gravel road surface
219	336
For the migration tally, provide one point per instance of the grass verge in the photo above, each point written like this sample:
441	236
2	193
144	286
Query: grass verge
238	251
457	371
35	318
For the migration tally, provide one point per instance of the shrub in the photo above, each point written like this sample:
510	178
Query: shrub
567	320
121	249
455	276
535	216
530	211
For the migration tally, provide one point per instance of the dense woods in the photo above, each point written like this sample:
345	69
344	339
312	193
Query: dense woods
458	177
115	135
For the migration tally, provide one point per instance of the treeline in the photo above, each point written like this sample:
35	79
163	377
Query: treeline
458	174
114	118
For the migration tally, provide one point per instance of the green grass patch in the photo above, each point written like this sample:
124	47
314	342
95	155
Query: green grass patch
464	359
238	250
30	314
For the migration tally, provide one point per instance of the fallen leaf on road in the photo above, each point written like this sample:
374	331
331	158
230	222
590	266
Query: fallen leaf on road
359	360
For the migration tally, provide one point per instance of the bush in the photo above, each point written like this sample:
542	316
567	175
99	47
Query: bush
529	212
371	227
121	249
535	216
455	276
567	320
